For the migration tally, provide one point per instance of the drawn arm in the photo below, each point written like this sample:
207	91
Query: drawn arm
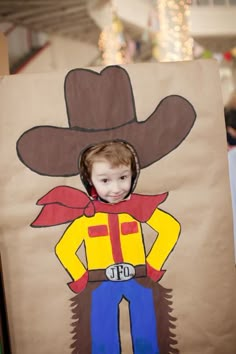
168	229
66	250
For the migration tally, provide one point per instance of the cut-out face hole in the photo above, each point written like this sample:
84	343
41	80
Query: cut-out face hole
109	170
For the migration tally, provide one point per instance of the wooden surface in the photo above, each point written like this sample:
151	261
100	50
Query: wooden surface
4	62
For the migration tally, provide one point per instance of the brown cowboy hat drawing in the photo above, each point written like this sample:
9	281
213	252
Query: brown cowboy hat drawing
101	107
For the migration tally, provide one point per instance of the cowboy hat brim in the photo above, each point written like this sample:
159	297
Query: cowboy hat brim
55	151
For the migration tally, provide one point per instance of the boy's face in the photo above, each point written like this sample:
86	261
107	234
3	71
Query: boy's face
111	183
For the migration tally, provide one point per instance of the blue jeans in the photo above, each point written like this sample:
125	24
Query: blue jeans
105	318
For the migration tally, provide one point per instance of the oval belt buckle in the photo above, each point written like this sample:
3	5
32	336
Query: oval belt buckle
120	272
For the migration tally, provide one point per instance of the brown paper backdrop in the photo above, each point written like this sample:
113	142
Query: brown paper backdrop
201	269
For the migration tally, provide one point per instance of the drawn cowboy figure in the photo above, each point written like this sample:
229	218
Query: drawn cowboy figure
101	109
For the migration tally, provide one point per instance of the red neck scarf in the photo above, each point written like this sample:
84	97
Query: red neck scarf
64	204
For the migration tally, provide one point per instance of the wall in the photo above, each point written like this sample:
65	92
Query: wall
62	54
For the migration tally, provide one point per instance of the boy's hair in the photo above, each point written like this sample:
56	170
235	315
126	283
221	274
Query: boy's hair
116	153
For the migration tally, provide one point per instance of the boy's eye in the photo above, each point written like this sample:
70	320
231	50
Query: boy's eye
104	180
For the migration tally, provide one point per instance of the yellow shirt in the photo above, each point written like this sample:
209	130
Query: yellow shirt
114	238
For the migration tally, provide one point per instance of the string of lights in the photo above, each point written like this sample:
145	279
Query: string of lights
174	39
169	25
112	44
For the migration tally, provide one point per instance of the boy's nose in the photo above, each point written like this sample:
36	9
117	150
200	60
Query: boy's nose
115	187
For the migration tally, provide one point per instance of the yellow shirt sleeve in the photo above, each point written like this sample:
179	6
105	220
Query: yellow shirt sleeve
168	229
67	247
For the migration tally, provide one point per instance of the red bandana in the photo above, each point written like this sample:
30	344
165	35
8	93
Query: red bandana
64	204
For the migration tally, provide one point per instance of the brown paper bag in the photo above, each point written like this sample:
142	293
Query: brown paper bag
196	295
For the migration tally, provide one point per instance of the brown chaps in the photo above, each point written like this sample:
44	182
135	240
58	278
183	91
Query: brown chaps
81	305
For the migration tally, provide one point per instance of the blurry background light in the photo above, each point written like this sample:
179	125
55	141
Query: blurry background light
175	41
112	43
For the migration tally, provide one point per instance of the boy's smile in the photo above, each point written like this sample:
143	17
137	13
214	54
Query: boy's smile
111	183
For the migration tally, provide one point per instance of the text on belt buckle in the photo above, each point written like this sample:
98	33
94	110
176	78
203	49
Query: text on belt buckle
120	272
